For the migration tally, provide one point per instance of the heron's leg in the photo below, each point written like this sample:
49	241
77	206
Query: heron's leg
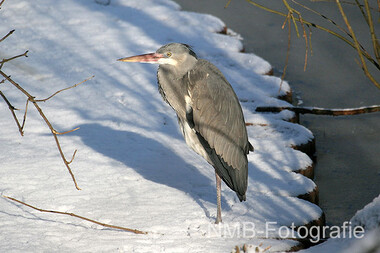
218	199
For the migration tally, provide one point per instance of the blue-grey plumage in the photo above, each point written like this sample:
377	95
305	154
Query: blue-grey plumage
208	112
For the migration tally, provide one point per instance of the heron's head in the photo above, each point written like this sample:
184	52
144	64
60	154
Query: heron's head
174	54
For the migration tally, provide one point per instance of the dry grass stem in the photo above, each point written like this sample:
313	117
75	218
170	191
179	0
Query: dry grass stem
375	41
287	51
227	4
291	12
351	40
356	44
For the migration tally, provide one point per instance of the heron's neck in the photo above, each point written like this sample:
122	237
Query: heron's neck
181	68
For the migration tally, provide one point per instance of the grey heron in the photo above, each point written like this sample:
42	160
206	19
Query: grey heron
208	111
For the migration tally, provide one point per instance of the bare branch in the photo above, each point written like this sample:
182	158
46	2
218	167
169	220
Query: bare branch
53	131
34	101
75	85
78	216
321	111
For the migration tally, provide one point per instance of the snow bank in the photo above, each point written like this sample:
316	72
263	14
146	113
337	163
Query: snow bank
132	164
368	219
369	216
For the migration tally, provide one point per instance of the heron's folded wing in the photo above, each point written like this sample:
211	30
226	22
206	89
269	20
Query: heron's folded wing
217	116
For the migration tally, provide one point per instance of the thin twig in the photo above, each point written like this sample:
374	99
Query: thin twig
25	113
12	109
12	58
72	158
75	85
62	133
321	111
9	33
78	216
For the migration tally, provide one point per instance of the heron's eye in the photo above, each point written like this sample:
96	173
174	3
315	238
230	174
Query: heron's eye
168	54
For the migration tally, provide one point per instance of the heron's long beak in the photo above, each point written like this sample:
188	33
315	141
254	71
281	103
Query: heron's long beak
148	58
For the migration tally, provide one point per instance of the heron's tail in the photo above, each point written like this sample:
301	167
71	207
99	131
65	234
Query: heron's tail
241	197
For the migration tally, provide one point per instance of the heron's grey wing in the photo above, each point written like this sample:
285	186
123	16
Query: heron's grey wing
218	118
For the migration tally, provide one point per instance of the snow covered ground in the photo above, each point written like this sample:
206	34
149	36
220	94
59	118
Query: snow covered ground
133	165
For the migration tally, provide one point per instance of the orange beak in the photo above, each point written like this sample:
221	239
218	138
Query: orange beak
147	58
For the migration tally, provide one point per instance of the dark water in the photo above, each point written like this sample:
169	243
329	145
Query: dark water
348	148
